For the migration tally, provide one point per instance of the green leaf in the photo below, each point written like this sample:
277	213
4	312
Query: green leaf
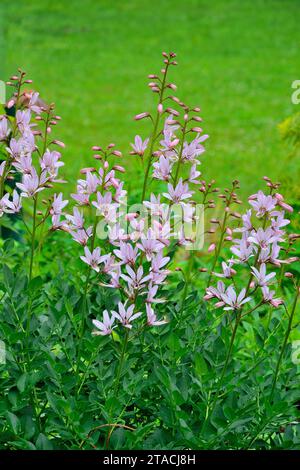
21	382
13	422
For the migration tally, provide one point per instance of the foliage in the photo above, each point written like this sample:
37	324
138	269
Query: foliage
189	373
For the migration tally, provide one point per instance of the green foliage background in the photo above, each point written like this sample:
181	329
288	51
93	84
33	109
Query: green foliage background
237	59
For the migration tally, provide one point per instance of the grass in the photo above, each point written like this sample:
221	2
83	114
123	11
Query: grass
237	60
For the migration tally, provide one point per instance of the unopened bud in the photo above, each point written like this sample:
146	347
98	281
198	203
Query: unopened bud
117	153
59	143
140	116
119	168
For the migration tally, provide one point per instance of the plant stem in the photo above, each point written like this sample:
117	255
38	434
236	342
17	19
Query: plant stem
209	414
153	136
33	233
286	337
122	357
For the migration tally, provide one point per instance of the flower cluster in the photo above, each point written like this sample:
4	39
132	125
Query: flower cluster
135	259
28	149
258	243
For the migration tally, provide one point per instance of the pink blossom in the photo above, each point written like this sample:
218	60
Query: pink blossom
262	204
234	301
162	168
194	174
149	245
13	206
24	164
58	204
76	219
228	272
152	318
126	253
93	258
179	193
135	280
4	129
50	163
106	326
31	184
242	248
193	149
261	276
215	292
263	238
81	236
139	146
23	120
126	315
158	262
269	297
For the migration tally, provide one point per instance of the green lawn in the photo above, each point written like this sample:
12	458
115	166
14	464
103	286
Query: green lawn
237	60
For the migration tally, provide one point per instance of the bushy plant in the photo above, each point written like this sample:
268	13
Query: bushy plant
119	330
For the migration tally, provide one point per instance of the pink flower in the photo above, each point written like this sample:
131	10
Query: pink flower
162	168
152	291
76	219
127	254
228	272
58	224
23	120
260	275
234	301
194	174
13	206
33	104
50	163
81	236
263	238
4	129
242	249
193	149
24	164
135	280
262	204
139	146
93	259
158	262
106	326
178	194
58	204
31	184
215	292
152	318
269	297
3	204
150	245
126	316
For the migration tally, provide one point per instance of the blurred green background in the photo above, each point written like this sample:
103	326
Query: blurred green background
237	60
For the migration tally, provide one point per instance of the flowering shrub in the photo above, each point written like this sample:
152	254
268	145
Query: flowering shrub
120	329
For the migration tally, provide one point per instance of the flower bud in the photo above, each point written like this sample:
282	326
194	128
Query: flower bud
59	143
119	168
211	247
140	116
